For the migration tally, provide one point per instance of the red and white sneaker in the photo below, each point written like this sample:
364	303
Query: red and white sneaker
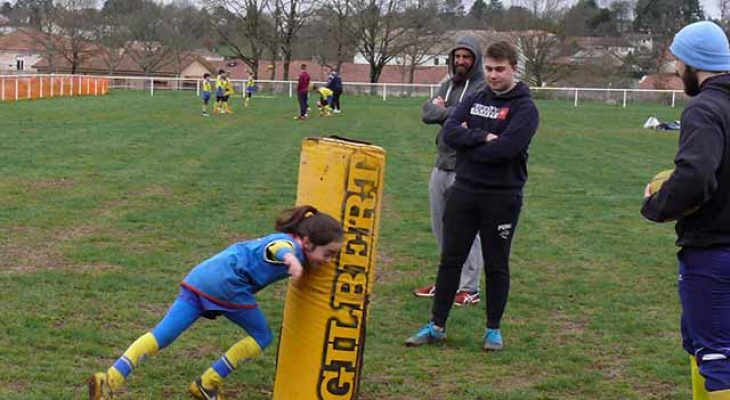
428	291
465	298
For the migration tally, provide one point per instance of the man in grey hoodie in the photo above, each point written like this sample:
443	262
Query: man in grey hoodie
466	75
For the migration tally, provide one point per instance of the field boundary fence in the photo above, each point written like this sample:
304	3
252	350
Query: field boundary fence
21	87
26	87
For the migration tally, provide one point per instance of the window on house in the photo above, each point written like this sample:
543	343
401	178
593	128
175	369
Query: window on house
20	64
435	61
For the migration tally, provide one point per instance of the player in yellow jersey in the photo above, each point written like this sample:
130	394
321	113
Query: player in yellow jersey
325	100
250	88
228	93
206	94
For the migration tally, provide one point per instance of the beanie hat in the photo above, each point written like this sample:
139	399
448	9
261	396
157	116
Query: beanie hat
702	45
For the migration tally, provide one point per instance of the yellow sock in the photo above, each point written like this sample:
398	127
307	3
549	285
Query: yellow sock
246	101
698	381
242	351
145	346
719	395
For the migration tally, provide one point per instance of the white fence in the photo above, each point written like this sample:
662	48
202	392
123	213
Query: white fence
617	97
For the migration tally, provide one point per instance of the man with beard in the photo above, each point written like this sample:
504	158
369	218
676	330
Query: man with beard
491	131
466	73
697	196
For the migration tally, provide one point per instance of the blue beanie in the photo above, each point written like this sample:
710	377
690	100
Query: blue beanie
702	45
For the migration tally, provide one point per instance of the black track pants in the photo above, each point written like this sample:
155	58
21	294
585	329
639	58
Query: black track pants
494	217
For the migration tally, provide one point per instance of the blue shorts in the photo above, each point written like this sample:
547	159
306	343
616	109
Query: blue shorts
704	291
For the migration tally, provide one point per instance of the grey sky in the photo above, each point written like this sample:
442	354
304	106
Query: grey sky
710	6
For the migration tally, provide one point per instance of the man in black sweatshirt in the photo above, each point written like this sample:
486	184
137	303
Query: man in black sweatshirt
697	196
491	131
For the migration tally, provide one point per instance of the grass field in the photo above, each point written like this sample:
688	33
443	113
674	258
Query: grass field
106	203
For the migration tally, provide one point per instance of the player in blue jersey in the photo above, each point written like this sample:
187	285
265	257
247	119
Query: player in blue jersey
226	285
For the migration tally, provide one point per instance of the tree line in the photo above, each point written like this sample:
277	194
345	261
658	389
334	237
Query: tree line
153	33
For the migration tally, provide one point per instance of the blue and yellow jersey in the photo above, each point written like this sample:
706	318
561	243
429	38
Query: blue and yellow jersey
325	93
206	86
250	85
233	276
229	88
220	86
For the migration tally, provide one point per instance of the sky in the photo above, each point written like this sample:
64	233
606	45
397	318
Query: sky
710	6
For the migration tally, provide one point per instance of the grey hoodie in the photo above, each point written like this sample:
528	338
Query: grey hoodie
453	94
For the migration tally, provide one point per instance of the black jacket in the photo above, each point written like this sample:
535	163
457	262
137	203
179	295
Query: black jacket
698	191
499	165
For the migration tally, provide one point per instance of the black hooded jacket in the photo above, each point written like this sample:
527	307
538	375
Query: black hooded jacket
498	166
697	194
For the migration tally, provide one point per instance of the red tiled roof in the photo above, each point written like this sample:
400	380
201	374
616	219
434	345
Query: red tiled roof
23	40
127	66
665	81
349	72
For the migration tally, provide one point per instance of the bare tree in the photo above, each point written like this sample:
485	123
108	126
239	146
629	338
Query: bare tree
379	34
538	50
273	39
424	35
241	25
543	9
335	42
75	23
724	6
184	29
147	33
295	13
111	36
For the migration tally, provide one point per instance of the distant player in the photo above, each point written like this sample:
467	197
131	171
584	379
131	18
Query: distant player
220	91
325	100
207	93
228	93
250	88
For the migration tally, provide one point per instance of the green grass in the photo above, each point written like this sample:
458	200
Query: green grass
106	203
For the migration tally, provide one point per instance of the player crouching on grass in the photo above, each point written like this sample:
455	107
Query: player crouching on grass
325	99
226	285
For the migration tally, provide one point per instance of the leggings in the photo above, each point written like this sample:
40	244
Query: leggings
184	313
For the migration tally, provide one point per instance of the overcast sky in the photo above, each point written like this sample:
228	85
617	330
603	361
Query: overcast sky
710	6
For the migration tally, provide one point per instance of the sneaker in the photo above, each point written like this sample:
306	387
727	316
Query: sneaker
337	111
300	118
99	387
205	114
492	340
465	298
428	291
427	334
196	390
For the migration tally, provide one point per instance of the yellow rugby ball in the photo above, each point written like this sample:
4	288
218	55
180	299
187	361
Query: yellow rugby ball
658	180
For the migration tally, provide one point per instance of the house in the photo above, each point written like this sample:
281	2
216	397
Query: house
663	81
350	72
20	49
600	50
188	65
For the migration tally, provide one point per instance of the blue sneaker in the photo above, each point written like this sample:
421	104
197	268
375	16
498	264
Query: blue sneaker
492	340
427	334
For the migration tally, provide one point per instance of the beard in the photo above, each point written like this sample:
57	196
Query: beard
690	81
460	73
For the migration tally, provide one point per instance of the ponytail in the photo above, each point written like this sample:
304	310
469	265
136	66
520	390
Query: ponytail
307	221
